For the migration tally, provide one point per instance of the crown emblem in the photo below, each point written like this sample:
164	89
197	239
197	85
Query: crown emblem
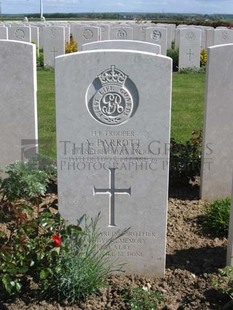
113	76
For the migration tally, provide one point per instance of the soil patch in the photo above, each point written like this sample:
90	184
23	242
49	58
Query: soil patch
193	260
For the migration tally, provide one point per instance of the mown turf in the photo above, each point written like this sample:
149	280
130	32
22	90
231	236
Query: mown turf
187	104
46	112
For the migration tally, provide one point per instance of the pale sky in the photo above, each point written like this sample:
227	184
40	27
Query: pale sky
153	6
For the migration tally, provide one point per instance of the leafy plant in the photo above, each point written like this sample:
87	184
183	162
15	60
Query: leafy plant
71	46
23	181
224	283
185	159
216	218
45	164
40	58
26	248
142	298
83	268
174	54
30	246
203	58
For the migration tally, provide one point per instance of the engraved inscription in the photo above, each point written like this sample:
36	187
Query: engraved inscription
130	244
121	33
87	34
190	54
55	53
190	36
156	35
113	103
112	191
19	34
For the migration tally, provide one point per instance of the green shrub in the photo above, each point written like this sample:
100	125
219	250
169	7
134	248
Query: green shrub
40	58
31	242
203	58
216	218
224	283
174	54
45	164
185	159
26	248
23	181
72	46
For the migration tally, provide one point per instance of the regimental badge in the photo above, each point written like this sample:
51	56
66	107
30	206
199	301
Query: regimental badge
116	98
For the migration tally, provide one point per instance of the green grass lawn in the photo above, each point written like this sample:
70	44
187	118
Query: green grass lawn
188	93
187	108
46	112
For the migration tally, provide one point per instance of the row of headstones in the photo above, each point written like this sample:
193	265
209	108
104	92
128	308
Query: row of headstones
190	40
113	127
130	31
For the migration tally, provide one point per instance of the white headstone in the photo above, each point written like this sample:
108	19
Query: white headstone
113	125
158	36
189	48
19	34
67	34
105	31
35	37
217	159
86	34
170	33
54	44
209	37
139	32
123	44
223	36
121	33
18	117
206	35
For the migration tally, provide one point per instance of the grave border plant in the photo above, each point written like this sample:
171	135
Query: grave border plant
216	216
185	159
38	245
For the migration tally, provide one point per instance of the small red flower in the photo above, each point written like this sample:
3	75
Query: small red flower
56	240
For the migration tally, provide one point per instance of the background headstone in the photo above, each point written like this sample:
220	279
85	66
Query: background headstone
217	159
54	44
86	34
157	36
189	47
223	36
19	34
123	44
121	33
35	37
18	104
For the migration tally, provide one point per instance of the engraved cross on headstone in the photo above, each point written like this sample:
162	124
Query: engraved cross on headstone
55	52
190	54
112	191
